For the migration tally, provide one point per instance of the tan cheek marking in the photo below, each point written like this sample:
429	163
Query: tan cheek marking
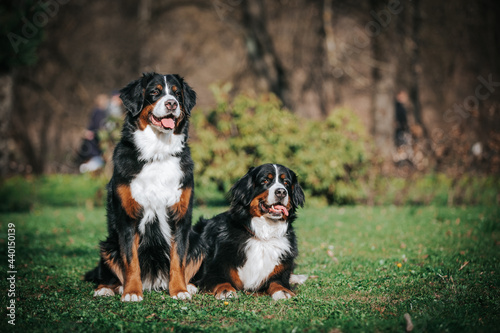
254	205
131	206
144	116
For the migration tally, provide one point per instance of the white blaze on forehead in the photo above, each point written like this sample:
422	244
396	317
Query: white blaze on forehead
271	197
160	110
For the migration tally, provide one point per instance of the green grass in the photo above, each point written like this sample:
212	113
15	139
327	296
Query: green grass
448	279
18	194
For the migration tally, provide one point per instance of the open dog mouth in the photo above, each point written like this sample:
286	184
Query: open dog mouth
275	210
167	122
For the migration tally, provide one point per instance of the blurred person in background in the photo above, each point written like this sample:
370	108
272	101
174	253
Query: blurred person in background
402	136
90	154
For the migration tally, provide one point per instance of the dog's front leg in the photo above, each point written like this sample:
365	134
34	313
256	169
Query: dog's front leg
277	291
278	287
132	286
181	216
177	283
129	245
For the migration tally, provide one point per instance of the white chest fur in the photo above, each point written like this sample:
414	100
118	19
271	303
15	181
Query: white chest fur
158	185
156	188
263	252
156	146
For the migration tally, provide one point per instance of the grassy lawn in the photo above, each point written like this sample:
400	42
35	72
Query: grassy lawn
369	266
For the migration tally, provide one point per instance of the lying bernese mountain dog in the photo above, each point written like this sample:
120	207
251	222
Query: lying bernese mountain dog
252	246
150	195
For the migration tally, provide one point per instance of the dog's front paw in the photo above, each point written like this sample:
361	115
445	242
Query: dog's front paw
282	294
227	295
298	278
192	290
104	291
131	297
184	295
225	291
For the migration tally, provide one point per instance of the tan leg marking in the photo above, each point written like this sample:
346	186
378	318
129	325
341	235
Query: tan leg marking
224	290
181	207
132	288
131	206
177	282
235	279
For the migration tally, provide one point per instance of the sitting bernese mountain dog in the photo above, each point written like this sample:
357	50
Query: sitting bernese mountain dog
252	246
150	195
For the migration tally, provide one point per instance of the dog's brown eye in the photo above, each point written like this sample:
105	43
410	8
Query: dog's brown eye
265	181
155	92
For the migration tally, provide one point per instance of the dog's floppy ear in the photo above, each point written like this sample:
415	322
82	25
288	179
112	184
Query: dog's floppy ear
242	190
189	95
298	197
133	95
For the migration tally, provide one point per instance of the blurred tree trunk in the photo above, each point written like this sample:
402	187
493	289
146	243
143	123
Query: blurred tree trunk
383	87
332	97
6	92
260	49
415	63
33	138
144	16
415	70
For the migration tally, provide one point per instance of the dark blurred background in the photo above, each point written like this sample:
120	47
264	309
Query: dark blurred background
438	59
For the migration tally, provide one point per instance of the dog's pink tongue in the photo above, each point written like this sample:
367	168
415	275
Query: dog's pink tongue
167	123
282	209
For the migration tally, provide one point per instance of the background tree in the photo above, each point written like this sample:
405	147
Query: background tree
19	42
315	56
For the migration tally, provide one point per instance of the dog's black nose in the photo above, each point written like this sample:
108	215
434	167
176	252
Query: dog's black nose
280	193
171	104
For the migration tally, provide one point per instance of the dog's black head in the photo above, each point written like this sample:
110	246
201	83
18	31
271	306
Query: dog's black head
270	190
163	102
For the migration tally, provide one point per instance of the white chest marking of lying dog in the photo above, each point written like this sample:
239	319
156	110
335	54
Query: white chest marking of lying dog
264	251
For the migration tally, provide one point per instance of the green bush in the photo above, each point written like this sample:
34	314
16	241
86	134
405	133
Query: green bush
327	155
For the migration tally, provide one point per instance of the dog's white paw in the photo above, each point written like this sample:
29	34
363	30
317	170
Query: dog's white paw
104	292
226	295
182	295
131	298
281	295
298	278
192	290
